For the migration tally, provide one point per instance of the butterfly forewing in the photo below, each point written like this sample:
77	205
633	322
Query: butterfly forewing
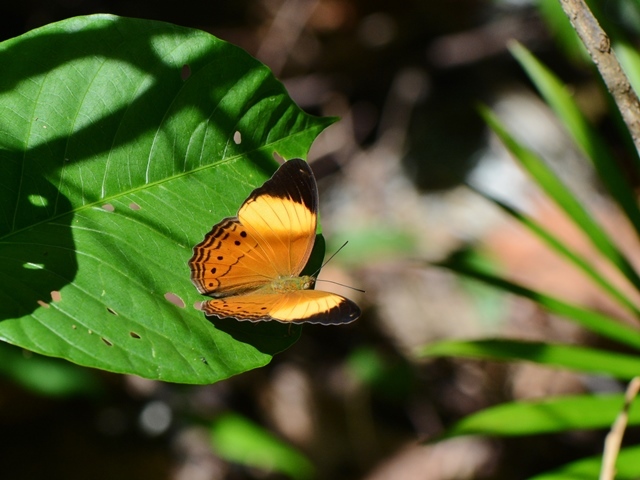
284	232
272	236
283	214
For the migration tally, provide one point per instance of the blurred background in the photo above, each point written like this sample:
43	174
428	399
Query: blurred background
355	402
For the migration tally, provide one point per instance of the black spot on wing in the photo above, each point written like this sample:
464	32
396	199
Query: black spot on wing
294	180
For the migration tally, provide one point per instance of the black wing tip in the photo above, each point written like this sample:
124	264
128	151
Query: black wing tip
293	180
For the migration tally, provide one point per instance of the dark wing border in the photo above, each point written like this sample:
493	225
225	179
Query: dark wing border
294	180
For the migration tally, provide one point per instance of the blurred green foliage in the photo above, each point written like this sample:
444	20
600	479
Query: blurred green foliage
586	411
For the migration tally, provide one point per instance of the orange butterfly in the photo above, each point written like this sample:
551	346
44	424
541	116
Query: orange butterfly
250	264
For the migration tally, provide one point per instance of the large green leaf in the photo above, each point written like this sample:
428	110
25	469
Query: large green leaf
121	142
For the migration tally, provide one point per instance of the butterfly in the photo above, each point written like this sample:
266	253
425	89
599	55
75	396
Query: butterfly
251	263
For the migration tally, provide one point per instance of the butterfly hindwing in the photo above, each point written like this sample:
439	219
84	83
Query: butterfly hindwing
309	306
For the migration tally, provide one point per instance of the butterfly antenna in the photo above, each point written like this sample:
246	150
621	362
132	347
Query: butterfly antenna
331	281
342	285
329	259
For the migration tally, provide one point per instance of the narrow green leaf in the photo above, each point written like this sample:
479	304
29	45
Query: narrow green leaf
388	377
122	142
549	415
624	141
594	321
46	376
563	33
587	138
563	197
598	362
239	440
627	467
557	245
629	58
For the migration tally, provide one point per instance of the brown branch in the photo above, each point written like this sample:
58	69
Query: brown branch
614	437
599	47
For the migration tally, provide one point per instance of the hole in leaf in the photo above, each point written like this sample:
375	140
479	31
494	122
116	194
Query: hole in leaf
237	138
175	299
43	304
106	342
112	311
56	296
204	360
134	206
198	305
38	200
134	335
74	327
185	72
33	266
108	207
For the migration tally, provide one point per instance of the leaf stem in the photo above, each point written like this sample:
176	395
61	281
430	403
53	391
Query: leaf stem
614	438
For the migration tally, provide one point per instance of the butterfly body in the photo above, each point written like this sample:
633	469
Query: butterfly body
250	264
288	284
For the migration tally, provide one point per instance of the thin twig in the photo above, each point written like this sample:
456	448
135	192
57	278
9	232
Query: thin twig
614	438
599	47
